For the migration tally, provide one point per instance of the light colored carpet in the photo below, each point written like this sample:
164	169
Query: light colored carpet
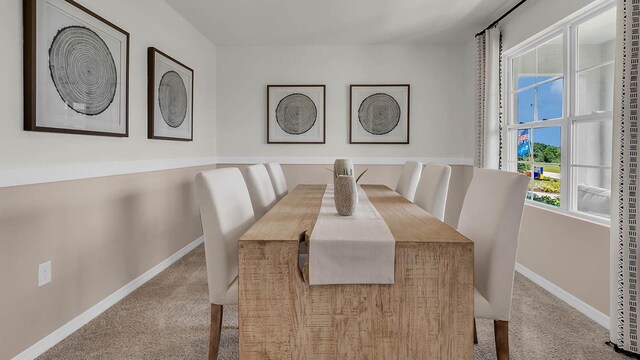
168	318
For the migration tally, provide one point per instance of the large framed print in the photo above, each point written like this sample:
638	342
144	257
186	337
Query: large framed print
76	70
296	114
379	114
170	97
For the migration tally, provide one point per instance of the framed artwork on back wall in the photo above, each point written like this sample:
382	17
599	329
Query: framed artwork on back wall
76	70
296	114
379	114
170	97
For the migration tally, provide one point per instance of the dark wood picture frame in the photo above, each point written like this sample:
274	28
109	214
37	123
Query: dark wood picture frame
351	141
324	114
151	94
29	24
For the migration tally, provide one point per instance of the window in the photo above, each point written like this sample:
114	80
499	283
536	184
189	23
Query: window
559	112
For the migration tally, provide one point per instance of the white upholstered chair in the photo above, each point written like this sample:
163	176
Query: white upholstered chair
409	178
260	189
490	217
431	194
226	214
277	179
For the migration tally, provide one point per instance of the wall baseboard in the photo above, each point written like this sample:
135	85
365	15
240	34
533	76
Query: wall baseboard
563	295
67	329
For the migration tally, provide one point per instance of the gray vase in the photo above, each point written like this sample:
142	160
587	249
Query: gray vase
345	194
342	167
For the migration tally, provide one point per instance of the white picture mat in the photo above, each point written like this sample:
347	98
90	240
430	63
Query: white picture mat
316	133
160	127
399	133
51	110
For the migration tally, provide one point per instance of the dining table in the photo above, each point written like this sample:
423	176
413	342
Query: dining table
427	313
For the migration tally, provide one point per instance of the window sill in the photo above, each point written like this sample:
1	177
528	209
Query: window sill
576	215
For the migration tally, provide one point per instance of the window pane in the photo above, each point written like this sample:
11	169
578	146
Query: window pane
596	40
524	70
595	90
593	193
550	100
593	143
546	184
550	59
546	144
525	106
523	148
525	169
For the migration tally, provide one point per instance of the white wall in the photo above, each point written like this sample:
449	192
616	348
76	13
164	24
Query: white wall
441	79
149	23
534	16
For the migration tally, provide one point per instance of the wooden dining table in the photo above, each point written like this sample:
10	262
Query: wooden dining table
426	314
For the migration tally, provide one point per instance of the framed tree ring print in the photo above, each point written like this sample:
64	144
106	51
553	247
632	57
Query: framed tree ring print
296	114
170	97
379	114
76	70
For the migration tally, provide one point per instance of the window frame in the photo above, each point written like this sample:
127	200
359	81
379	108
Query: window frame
567	28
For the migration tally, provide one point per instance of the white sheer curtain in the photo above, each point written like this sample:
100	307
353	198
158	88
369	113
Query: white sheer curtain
488	99
624	195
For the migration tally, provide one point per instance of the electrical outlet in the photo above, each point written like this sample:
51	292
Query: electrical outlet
44	273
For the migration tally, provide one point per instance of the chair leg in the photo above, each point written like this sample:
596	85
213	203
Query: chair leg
216	328
475	332
501	329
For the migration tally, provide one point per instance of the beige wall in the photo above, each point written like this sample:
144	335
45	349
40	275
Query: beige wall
379	174
102	233
99	234
571	253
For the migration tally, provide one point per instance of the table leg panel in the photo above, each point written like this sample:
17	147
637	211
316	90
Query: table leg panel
427	313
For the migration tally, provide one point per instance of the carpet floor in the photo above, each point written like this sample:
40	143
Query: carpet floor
168	318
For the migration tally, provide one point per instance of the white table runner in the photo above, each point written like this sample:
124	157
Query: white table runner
358	249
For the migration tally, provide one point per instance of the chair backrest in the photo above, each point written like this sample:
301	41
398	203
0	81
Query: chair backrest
432	190
490	217
277	179
260	189
226	214
409	179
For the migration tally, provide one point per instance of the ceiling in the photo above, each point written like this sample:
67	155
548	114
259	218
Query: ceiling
339	22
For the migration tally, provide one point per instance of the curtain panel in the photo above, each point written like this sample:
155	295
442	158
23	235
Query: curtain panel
488	152
624	244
